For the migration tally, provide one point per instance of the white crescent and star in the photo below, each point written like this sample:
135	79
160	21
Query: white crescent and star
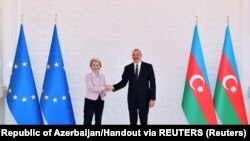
226	78
193	78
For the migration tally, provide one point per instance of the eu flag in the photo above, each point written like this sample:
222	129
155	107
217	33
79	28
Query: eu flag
55	99
22	95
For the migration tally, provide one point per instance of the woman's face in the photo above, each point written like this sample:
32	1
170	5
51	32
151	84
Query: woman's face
95	66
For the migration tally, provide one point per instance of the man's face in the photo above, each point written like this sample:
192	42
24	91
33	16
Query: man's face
136	55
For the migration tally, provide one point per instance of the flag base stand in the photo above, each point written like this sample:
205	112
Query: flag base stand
3	92
248	92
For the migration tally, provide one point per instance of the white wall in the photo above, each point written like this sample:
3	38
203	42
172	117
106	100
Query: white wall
1	41
244	52
111	29
1	63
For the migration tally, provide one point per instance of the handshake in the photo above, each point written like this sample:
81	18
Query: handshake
109	88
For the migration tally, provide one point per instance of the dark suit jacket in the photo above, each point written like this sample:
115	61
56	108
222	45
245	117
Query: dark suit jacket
142	90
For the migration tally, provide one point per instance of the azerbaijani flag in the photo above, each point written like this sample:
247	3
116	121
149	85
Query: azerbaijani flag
228	99
197	102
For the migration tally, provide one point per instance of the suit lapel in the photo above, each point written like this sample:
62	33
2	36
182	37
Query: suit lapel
133	70
141	70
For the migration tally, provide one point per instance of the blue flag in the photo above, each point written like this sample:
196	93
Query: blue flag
55	99
22	95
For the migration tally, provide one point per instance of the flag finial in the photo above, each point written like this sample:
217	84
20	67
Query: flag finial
55	18
22	18
227	20
196	19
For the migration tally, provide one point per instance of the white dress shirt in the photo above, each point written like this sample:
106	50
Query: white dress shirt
139	67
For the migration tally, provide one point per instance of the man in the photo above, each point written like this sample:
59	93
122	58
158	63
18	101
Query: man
141	90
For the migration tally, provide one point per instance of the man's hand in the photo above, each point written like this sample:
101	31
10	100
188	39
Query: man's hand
151	103
109	87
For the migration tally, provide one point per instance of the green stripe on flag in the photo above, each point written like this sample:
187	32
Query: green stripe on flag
191	108
224	107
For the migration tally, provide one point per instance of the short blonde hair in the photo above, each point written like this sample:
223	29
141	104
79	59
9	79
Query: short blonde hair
95	60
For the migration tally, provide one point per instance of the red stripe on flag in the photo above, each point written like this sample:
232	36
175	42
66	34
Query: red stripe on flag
201	90
232	88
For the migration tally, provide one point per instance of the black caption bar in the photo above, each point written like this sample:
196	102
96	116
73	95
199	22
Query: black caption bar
112	131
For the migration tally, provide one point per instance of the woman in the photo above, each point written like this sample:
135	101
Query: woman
94	99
